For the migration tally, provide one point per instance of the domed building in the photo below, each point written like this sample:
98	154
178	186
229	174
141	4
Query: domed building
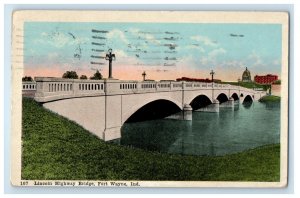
246	76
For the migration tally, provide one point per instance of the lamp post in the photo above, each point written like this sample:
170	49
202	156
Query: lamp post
110	57
144	75
212	73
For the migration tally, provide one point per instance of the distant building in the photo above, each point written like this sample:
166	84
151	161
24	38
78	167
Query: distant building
246	77
267	79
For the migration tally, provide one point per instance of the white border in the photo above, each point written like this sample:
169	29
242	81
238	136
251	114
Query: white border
294	71
20	17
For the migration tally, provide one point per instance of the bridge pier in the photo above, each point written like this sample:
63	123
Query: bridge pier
241	99
228	104
187	112
112	133
214	107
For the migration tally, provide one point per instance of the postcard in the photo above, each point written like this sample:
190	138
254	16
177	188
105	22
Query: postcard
149	99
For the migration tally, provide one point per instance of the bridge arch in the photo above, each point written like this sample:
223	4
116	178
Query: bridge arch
222	98
235	96
190	96
200	101
152	109
248	99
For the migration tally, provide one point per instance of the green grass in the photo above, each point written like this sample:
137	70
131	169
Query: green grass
56	148
270	99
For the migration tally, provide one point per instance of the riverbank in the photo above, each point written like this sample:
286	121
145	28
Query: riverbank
57	148
270	99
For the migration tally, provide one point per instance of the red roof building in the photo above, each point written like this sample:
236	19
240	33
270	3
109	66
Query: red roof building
267	79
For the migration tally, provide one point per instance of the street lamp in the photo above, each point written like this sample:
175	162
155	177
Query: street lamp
144	75
212	73
110	57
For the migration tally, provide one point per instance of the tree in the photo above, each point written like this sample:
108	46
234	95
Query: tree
27	78
83	77
277	82
70	74
97	76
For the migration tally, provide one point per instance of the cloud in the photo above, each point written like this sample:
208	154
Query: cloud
193	47
187	61
134	30
214	53
117	34
59	39
204	40
150	38
277	62
53	55
236	64
79	41
204	61
254	60
44	34
123	58
211	57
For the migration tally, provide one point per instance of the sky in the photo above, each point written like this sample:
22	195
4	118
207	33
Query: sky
165	51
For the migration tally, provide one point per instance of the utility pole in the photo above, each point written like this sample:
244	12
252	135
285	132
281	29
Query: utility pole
110	57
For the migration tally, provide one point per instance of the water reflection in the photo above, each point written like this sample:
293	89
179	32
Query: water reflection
272	105
231	130
154	135
236	105
247	104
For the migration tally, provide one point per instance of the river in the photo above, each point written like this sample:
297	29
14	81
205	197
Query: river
226	132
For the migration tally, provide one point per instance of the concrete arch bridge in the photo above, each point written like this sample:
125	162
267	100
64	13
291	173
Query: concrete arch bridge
103	106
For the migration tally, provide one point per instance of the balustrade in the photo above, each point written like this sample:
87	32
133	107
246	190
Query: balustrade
28	86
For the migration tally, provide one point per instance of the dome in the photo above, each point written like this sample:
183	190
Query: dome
246	73
246	76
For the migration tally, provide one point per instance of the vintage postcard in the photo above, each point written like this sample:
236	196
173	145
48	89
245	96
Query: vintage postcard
149	99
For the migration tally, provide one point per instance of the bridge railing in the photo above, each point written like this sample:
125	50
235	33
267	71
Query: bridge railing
164	86
28	85
147	85
123	87
28	88
57	88
176	85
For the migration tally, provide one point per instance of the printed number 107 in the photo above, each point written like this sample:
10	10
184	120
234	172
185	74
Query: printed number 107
24	183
